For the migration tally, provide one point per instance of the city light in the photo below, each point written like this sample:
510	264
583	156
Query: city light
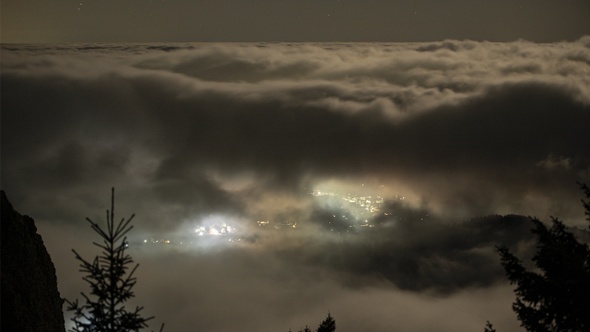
349	212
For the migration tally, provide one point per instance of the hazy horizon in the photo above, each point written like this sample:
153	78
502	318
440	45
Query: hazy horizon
304	20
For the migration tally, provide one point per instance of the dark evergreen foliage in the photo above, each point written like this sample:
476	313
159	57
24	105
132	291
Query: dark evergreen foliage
586	204
489	327
328	325
556	295
111	282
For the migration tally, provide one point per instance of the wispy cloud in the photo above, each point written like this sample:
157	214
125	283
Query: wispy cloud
188	131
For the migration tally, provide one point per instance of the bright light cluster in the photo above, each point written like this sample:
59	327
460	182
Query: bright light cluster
215	230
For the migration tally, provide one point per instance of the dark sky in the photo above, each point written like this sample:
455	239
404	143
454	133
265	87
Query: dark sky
292	20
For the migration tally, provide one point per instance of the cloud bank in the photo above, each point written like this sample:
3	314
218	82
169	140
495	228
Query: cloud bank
223	122
247	132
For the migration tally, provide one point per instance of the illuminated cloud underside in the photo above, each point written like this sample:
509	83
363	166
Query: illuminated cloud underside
195	136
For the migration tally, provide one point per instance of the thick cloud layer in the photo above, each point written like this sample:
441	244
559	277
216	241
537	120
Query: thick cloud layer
249	133
215	124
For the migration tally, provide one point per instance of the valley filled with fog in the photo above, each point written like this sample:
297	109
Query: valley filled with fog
276	182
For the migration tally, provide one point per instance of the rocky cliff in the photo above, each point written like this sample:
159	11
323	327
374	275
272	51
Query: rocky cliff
30	298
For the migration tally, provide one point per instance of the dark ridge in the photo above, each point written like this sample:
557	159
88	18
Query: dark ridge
30	298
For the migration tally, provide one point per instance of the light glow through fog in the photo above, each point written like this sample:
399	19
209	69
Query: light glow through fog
309	177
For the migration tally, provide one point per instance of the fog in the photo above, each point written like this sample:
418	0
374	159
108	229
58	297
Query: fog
354	178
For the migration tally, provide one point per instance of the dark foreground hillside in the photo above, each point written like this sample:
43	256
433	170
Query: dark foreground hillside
30	298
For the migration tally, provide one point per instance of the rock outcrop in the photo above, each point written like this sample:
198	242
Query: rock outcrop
30	298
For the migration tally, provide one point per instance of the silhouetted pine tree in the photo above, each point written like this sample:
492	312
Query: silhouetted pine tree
586	204
555	297
489	327
328	325
111	282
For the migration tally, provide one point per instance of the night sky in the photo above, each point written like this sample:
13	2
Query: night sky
269	117
294	20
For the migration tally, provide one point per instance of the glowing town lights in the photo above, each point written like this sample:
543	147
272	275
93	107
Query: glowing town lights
348	212
215	230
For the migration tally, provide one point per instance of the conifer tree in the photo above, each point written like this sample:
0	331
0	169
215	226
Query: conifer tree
489	327
111	282
328	325
586	204
555	296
